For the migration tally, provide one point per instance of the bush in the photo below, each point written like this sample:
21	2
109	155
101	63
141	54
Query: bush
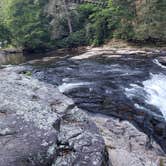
75	39
24	24
29	26
5	36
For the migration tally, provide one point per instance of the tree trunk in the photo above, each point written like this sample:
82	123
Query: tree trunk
68	16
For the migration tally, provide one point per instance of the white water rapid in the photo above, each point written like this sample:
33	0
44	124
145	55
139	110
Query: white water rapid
154	91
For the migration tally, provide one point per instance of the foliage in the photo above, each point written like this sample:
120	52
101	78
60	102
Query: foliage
102	24
151	22
73	40
125	14
5	36
24	23
28	25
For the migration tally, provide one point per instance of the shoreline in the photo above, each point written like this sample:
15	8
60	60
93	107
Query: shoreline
112	45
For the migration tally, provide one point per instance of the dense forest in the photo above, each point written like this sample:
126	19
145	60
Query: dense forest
43	24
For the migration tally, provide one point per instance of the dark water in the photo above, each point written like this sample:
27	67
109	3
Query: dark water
128	87
42	58
103	84
12	59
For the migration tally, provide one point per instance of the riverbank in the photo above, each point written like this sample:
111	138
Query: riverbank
117	48
113	45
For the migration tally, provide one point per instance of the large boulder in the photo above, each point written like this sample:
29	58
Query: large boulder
41	127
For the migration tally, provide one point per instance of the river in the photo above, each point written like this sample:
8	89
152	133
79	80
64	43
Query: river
129	87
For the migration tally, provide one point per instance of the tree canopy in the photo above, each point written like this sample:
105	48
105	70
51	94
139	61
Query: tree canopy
27	24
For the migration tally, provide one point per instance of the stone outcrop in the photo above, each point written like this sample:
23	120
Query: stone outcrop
108	52
126	145
40	127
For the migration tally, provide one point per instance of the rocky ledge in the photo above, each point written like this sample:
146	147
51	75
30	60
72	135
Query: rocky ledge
110	52
10	51
41	127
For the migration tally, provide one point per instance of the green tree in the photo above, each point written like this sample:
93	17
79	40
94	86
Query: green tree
150	22
5	35
24	23
99	23
29	26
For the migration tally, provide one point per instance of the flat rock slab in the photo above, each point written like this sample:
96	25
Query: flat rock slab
116	53
41	127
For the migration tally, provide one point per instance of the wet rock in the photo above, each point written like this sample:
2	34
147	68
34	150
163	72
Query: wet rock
40	127
160	128
162	60
126	145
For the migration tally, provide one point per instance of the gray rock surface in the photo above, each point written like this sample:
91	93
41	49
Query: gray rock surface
126	145
111	52
41	127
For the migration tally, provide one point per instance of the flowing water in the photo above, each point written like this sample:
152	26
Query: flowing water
128	87
154	90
